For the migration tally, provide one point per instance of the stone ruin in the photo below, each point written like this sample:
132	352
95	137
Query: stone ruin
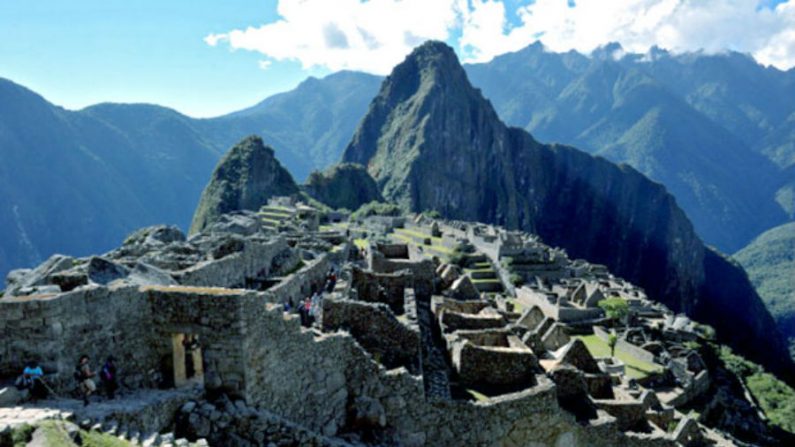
404	349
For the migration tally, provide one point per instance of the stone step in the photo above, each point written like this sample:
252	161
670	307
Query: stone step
488	285
482	274
134	437
150	440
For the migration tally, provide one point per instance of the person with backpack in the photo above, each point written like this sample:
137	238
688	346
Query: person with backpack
84	376
32	380
107	375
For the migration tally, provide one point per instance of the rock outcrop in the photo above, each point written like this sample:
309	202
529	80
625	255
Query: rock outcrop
432	142
345	185
244	179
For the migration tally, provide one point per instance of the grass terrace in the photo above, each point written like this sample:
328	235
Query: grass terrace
635	368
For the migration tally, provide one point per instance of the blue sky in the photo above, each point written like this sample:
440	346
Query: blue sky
81	52
209	57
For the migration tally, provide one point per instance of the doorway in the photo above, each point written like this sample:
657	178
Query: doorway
187	360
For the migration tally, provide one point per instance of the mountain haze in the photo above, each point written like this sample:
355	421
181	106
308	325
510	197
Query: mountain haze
692	122
76	183
431	141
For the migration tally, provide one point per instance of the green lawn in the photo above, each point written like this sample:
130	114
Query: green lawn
486	280
418	235
438	249
361	243
635	368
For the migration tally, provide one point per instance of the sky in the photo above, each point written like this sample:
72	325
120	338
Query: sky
210	57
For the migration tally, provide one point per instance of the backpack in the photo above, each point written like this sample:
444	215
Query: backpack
78	374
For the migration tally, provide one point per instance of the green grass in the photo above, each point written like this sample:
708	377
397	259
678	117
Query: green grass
361	243
776	398
56	436
271	221
480	397
484	265
479	270
486	280
438	249
635	368
419	235
517	305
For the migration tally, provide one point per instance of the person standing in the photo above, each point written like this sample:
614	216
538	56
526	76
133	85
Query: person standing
85	375
107	375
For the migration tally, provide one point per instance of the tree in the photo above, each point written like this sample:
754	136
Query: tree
612	339
616	308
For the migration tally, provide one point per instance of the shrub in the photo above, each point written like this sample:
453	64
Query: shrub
612	340
615	308
376	209
458	258
433	214
516	279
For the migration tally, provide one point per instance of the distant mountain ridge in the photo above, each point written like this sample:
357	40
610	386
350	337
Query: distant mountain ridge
78	182
693	122
433	142
658	112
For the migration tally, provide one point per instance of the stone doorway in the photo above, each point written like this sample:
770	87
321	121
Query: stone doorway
187	360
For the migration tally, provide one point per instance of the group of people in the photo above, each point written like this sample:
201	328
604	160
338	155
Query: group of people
85	377
32	379
310	308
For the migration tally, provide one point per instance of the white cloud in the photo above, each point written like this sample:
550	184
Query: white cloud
374	35
369	35
264	64
676	25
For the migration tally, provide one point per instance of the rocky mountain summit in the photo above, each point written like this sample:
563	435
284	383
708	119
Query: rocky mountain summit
432	142
244	179
345	185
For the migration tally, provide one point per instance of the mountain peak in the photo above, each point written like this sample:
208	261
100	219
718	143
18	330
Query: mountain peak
430	85
244	179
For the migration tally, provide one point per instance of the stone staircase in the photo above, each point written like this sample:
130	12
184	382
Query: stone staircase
273	216
483	275
135	438
435	374
137	418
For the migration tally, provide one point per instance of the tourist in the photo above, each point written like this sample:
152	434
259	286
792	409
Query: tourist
32	380
84	377
191	344
308	312
303	311
331	281
107	375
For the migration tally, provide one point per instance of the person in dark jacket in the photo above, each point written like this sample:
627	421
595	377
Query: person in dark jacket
108	377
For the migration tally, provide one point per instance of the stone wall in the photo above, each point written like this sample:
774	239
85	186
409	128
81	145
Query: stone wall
387	288
377	329
216	316
319	379
57	330
622	344
299	285
257	261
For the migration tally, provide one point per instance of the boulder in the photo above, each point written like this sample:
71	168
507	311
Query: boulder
102	271
40	276
10	396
